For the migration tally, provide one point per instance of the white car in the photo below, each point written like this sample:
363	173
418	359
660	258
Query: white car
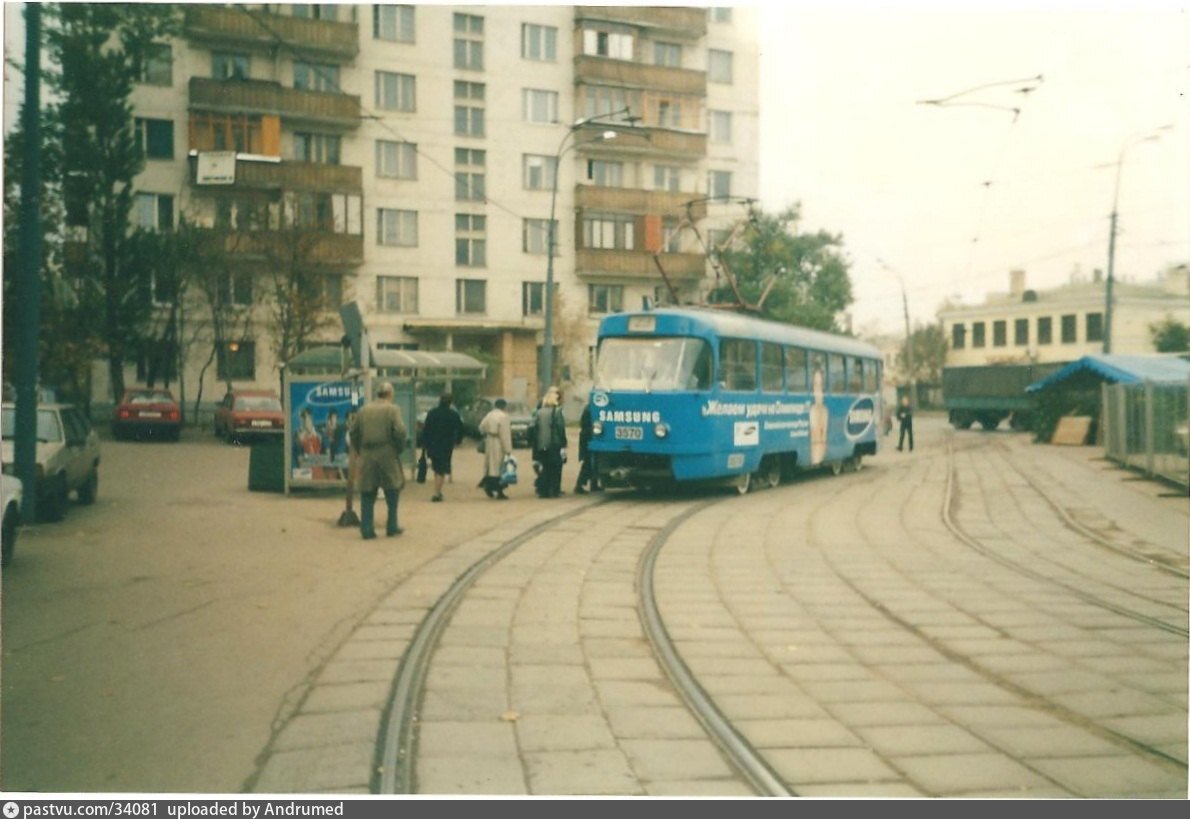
67	456
13	494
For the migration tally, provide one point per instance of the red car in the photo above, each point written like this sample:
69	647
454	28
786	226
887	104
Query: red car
249	413
147	411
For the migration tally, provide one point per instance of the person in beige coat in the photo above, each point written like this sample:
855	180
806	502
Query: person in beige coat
378	436
496	433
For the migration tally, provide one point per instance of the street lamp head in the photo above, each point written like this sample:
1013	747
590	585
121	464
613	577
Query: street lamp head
606	135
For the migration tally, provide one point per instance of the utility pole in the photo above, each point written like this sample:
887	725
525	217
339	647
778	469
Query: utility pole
29	283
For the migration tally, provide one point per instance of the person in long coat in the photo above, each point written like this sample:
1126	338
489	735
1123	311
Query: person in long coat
443	431
378	436
496	433
548	434
587	473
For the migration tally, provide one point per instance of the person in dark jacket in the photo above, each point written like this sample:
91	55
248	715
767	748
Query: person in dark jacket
377	435
905	416
588	477
441	433
548	435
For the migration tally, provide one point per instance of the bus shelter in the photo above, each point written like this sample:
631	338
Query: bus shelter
322	388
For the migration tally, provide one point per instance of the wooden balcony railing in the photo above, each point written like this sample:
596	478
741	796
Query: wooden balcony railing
641	202
638	264
255	28
601	70
264	97
680	21
290	175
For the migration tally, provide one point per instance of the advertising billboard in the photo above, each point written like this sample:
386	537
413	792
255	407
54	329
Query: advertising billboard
318	410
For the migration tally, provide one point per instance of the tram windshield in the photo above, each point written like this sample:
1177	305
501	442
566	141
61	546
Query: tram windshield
653	364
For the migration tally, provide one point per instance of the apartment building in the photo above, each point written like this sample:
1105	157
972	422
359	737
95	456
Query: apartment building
423	148
1063	323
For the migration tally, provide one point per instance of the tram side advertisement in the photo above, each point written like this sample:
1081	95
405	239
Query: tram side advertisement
319	413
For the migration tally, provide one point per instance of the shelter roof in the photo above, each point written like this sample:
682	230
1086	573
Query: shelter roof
1121	369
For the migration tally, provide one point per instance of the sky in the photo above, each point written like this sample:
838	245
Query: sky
944	199
939	202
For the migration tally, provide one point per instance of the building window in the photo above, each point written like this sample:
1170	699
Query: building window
538	172
397	228
227	65
322	148
1000	333
720	14
719	66
1069	329
469	115
536	237
1020	332
539	42
667	54
671	236
155	138
396	160
396	294
605	298
604	231
539	105
330	212
396	92
667	178
468	49
471	245
237	361
158	67
669	114
1094	327
533	298
153	211
235	289
605	173
315	76
958	336
978	338
471	296
719	127
601	100
719	184
316	11
612	44
391	22
469	187
1045	330
227	132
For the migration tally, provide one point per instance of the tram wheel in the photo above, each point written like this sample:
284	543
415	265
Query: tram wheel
743	483
770	473
855	463
836	467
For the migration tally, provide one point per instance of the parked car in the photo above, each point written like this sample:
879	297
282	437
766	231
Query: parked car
67	456
147	411
520	417
11	487
244	414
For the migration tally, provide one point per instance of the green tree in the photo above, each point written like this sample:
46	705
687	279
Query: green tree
796	278
96	52
929	354
300	301
1170	336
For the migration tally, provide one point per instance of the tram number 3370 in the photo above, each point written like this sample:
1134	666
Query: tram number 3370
630	433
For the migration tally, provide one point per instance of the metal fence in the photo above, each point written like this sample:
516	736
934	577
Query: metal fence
1147	427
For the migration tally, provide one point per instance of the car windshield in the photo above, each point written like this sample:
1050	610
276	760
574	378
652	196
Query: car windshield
653	364
517	409
49	429
258	403
150	398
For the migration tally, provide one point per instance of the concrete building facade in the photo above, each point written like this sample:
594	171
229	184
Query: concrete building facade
410	154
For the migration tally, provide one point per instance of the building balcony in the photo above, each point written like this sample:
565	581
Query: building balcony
686	22
625	73
289	175
304	247
225	26
640	202
265	97
639	264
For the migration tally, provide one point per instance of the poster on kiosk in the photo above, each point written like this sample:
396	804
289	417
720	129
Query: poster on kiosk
319	408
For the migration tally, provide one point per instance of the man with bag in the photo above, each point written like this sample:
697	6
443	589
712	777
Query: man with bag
442	432
377	434
495	441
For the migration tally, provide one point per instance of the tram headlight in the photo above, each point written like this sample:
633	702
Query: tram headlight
596	428
661	429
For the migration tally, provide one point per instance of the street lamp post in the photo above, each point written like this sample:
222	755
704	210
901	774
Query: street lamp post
1111	240
908	335
545	377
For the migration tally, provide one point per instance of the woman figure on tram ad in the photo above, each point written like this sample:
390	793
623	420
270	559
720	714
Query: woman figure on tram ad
548	435
495	432
587	474
819	419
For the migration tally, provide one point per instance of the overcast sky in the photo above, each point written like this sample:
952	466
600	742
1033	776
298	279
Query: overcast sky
844	133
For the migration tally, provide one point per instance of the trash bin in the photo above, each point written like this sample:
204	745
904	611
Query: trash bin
266	466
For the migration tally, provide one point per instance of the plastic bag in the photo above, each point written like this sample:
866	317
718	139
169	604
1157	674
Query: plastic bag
508	471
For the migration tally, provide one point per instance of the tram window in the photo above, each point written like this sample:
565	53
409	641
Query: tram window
871	376
737	360
855	375
772	368
836	377
795	369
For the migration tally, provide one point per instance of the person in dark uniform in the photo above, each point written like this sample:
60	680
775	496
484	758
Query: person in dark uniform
377	434
905	416
441	433
548	434
587	476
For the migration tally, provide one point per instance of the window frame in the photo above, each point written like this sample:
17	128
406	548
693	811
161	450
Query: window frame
404	221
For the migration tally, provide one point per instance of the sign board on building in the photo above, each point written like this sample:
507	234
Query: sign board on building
216	168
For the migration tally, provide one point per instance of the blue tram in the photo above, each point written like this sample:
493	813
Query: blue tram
697	394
